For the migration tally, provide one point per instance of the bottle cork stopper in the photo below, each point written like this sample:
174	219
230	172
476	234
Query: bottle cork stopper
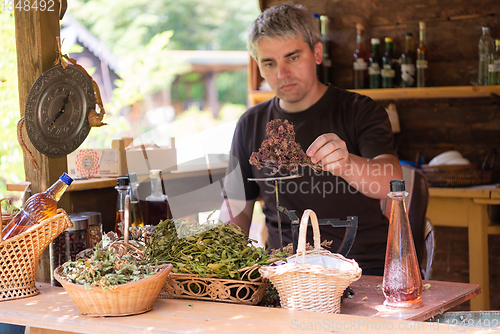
421	25
497	41
359	26
375	41
388	40
154	173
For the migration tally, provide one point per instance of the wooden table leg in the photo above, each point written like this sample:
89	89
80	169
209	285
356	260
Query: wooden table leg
478	254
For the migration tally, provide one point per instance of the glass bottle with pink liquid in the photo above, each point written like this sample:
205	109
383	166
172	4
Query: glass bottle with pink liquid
402	284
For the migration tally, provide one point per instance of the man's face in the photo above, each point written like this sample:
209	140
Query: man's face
289	67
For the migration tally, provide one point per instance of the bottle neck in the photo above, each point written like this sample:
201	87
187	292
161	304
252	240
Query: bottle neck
57	190
408	45
422	37
388	49
156	188
360	41
376	50
398	195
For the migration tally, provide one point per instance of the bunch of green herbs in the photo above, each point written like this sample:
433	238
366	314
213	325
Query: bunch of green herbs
105	269
212	248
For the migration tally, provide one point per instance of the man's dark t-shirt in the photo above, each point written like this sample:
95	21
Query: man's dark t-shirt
364	126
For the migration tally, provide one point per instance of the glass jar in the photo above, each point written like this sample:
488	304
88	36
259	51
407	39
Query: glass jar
69	243
95	227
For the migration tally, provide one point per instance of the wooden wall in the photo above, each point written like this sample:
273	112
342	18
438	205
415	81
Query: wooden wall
429	127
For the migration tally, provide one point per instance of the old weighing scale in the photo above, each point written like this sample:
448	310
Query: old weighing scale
351	223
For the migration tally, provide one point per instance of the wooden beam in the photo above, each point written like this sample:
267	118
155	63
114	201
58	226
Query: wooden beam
36	46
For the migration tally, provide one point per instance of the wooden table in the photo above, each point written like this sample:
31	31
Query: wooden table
467	207
52	311
438	298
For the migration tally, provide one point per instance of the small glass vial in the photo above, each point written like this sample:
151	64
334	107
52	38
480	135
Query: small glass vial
402	283
123	188
95	227
135	205
157	208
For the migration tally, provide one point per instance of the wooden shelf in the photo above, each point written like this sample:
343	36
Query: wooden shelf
405	93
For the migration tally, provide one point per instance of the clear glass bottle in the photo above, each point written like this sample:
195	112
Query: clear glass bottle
123	188
402	282
37	208
326	63
485	47
157	208
408	63
494	65
135	205
388	71
374	64
422	57
360	64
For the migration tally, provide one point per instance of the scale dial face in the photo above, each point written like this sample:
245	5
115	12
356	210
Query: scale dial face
57	110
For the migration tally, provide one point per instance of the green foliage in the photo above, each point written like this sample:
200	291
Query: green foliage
11	157
197	24
232	86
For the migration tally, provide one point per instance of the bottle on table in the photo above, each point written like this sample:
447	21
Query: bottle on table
374	64
485	47
123	188
402	282
326	63
408	63
360	64
157	208
135	205
37	208
494	65
388	71
421	57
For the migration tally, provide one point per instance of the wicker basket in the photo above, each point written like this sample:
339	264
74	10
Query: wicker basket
456	175
126	299
20	254
248	290
312	287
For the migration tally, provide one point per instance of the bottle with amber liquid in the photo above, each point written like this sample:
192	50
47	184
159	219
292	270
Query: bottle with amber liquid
123	188
37	208
157	208
421	63
408	63
360	64
135	207
402	283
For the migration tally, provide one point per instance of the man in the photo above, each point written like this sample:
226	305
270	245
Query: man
349	135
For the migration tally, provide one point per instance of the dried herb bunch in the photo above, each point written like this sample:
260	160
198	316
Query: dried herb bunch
213	248
280	150
105	269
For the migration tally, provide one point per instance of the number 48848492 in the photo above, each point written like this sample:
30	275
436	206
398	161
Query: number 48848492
27	5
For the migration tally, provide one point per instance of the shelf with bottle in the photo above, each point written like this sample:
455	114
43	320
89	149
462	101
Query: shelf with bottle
444	92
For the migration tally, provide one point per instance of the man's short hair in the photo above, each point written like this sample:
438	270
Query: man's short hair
284	21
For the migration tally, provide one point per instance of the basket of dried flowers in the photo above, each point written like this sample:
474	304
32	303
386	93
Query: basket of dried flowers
108	284
19	256
212	261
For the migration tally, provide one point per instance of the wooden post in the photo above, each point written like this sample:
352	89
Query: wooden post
36	45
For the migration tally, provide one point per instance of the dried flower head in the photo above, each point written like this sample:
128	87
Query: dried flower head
280	150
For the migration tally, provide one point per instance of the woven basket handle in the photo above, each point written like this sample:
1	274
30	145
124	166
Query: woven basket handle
304	222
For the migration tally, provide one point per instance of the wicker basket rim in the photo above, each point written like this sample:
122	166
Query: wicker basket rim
59	213
164	269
